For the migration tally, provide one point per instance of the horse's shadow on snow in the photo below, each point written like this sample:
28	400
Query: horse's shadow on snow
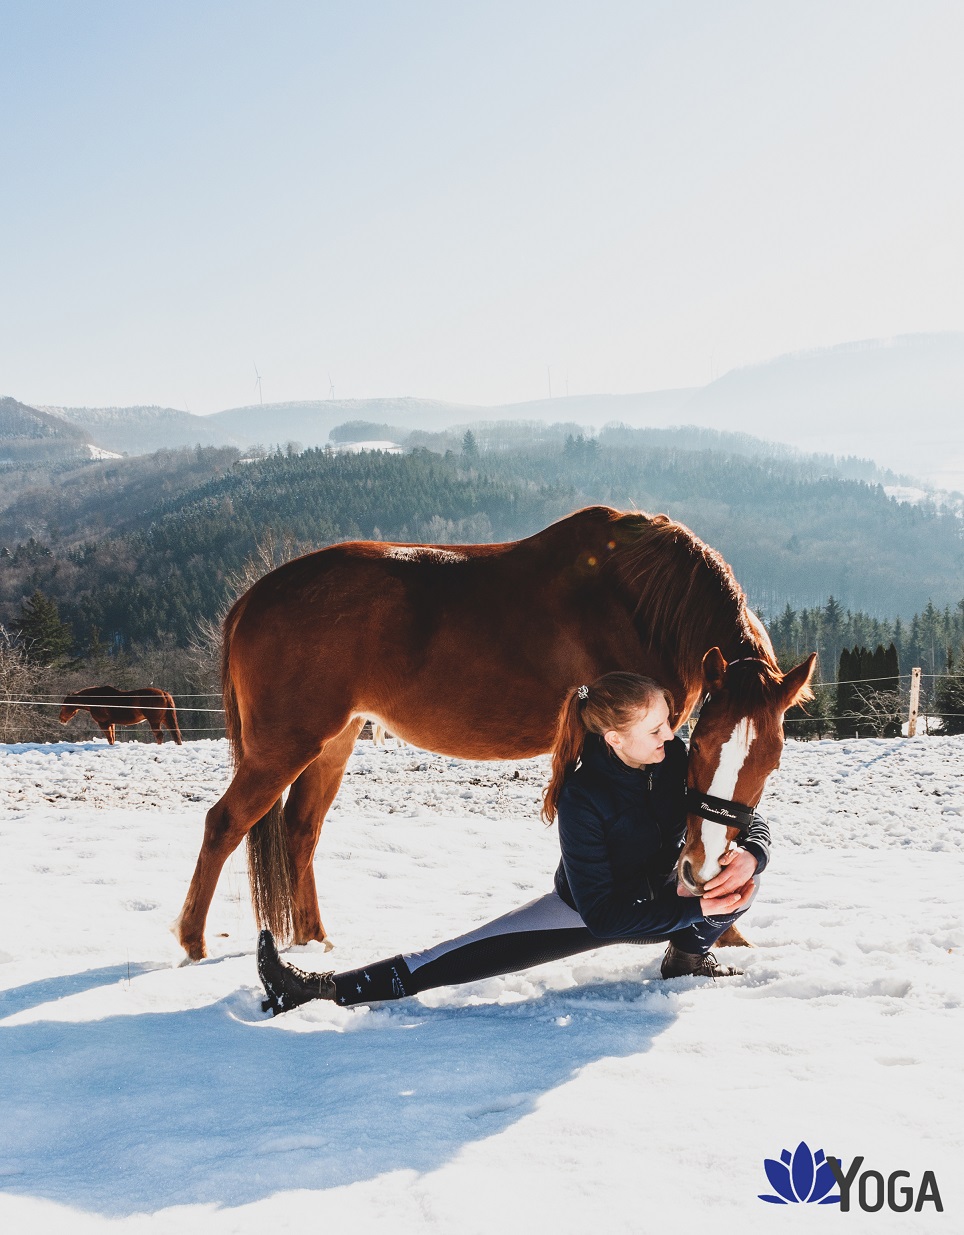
219	1105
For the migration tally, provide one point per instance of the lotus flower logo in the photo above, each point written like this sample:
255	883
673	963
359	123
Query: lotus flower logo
800	1178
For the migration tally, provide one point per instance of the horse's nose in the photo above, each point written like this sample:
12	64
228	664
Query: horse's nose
686	875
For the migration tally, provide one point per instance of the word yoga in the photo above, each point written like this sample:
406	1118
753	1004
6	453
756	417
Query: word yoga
873	1190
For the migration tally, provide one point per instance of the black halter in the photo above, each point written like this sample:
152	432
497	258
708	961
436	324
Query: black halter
719	810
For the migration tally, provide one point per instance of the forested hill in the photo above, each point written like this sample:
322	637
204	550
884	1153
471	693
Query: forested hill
27	434
791	534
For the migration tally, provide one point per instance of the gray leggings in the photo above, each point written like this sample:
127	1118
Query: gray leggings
545	929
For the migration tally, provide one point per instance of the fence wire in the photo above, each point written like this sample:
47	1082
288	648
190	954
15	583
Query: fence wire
57	700
188	710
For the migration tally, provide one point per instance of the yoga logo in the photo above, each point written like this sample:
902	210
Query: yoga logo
800	1178
807	1178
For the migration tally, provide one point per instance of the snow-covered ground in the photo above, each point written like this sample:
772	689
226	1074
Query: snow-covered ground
137	1096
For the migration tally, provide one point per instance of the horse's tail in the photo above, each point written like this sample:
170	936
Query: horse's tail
269	867
170	719
269	873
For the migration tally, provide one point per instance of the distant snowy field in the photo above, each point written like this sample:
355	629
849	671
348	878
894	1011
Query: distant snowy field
586	1095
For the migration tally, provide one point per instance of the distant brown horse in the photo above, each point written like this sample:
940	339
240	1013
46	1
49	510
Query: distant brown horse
109	707
466	650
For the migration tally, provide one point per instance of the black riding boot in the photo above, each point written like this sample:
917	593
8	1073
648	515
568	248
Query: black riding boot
677	964
284	984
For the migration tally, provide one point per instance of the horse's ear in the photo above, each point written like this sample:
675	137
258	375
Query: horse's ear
796	683
714	669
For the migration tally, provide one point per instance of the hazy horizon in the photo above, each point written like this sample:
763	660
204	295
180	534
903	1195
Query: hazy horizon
804	354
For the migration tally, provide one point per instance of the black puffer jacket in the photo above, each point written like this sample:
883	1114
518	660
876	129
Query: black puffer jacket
621	830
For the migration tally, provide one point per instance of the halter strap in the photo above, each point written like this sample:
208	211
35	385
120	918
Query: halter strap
719	810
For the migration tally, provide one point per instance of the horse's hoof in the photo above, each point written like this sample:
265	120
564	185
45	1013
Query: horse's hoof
196	951
306	940
193	952
192	955
733	937
314	943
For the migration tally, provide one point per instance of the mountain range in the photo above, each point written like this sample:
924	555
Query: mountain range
899	402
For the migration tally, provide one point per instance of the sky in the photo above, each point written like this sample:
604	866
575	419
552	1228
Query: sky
466	202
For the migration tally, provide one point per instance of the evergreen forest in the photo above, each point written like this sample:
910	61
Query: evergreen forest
116	568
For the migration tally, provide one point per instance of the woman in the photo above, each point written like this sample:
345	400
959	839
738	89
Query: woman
618	791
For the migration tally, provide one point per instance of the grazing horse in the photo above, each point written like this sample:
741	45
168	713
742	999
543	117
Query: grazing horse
736	744
109	706
466	650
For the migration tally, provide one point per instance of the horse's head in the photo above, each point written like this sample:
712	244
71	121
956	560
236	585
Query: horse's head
68	711
735	746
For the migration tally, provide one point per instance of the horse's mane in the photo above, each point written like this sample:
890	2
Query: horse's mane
686	597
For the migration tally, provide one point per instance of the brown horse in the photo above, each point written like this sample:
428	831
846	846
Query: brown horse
465	650
109	706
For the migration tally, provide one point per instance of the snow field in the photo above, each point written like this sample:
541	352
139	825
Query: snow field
140	1096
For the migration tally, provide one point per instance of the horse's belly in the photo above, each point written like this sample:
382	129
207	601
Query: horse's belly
466	735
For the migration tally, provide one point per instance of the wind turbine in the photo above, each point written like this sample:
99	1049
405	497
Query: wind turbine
258	383
331	387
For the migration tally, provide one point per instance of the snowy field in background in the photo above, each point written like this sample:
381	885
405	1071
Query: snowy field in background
583	1095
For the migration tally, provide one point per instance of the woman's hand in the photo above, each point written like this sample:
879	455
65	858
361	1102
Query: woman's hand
732	889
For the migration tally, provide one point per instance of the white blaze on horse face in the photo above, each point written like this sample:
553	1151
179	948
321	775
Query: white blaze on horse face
733	755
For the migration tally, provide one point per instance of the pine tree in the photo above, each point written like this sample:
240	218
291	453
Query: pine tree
832	625
845	725
930	636
900	637
785	629
949	695
40	632
892	685
865	675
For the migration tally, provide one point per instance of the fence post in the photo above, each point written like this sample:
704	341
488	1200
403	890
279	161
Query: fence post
914	702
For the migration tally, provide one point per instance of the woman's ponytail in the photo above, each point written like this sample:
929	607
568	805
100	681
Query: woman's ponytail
566	749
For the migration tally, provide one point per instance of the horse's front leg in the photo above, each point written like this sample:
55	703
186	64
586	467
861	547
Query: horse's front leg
308	802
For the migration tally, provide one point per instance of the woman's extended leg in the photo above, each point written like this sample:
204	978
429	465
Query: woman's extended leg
545	929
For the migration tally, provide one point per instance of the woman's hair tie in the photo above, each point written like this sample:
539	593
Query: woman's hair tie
583	692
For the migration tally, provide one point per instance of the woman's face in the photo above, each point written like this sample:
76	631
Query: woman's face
641	741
